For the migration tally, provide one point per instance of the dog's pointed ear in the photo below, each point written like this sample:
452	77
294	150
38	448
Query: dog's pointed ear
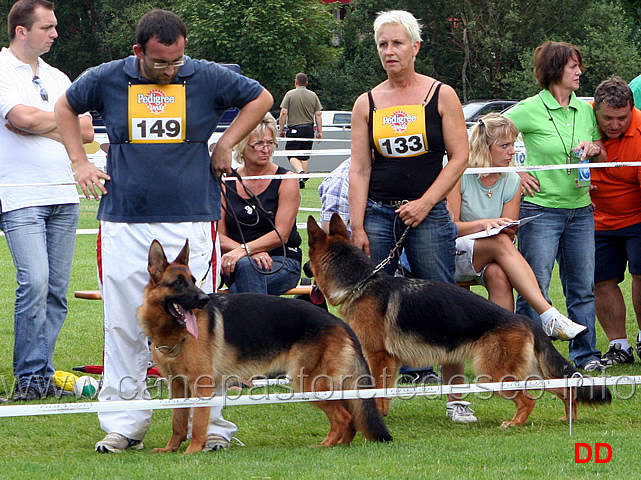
183	256
337	227
314	232
157	262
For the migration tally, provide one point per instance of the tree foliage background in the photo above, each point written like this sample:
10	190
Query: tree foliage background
483	48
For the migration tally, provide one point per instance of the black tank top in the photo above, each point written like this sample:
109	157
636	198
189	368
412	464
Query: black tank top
246	213
408	153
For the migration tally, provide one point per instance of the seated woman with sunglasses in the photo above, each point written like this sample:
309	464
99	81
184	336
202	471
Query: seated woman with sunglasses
259	218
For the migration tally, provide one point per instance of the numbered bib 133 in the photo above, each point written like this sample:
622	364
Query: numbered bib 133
399	131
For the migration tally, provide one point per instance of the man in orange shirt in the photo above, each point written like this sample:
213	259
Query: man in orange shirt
616	195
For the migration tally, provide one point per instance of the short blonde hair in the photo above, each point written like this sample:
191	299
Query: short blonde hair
488	130
267	123
399	17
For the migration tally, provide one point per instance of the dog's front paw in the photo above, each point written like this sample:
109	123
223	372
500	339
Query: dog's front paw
194	447
163	450
566	418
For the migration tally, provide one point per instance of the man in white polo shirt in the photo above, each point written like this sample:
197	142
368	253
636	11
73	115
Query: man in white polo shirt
40	214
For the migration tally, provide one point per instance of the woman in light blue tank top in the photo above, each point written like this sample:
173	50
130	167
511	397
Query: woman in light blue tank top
486	201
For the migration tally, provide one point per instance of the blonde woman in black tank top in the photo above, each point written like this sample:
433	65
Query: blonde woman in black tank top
397	143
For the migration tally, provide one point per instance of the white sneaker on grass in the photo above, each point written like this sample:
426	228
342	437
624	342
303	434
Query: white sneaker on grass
595	365
215	442
117	443
460	412
562	328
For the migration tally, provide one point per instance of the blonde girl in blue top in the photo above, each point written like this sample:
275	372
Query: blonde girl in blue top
481	202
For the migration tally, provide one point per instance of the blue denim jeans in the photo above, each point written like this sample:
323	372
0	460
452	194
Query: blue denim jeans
567	236
41	241
430	247
246	279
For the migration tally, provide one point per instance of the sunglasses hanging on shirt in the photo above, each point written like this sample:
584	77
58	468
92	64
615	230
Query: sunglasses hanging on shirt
38	83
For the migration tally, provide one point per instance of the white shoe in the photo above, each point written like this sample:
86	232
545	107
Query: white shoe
116	443
562	328
460	412
595	365
215	442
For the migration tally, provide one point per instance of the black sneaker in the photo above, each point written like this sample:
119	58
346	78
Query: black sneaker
53	391
617	356
302	181
29	392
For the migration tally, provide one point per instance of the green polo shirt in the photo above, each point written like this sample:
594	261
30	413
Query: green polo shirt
547	142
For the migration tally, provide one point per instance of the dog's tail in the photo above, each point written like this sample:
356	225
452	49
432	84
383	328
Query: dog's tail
554	365
367	418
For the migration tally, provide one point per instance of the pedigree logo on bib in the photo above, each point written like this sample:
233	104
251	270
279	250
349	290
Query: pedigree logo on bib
157	113
400	131
399	121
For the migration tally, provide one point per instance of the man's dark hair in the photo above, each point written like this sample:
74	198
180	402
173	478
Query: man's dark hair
166	26
22	14
614	92
550	60
301	79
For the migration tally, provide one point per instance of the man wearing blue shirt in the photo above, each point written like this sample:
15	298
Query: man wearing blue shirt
160	107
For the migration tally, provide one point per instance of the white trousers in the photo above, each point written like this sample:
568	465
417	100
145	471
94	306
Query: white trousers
123	252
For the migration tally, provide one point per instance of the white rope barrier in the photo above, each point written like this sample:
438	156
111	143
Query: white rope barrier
468	171
3	185
266	397
346	152
569	166
315	140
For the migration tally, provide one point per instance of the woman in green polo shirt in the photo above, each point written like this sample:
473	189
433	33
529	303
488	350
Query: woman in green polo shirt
560	129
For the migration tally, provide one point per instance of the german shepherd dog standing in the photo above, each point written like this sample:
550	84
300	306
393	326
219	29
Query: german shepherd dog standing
401	321
199	339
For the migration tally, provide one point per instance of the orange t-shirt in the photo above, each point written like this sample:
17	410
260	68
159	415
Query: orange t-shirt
617	198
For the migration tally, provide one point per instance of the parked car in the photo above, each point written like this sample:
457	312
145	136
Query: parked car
335	119
337	129
475	109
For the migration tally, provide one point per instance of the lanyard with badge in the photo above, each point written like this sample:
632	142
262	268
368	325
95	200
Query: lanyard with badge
157	113
583	174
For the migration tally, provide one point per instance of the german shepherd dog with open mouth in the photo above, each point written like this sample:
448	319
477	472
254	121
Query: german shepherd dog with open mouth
199	339
402	321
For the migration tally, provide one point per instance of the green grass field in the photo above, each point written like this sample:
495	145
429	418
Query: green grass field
278	437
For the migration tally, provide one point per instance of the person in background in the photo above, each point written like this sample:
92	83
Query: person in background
39	221
298	110
401	130
160	185
485	201
635	86
616	195
560	129
254	259
333	191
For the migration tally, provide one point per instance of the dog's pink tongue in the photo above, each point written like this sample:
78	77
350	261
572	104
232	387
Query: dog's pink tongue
316	296
191	323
